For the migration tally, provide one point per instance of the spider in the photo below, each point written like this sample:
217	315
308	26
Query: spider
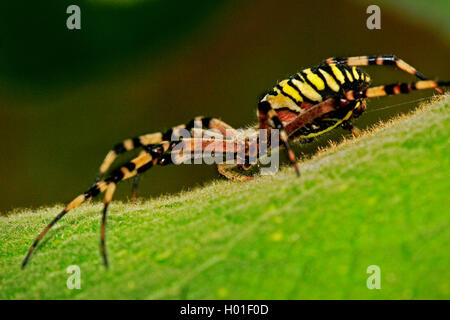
302	107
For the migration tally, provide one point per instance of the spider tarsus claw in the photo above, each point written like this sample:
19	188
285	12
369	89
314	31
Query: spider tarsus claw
105	262
297	171
133	198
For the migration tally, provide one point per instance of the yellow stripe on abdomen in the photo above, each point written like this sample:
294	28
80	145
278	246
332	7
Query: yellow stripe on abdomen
355	73
291	91
315	79
337	73
332	84
307	90
349	76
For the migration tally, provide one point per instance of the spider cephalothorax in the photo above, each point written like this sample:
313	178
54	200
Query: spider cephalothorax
302	107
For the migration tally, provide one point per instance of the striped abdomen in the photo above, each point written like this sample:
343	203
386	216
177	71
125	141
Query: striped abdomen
314	85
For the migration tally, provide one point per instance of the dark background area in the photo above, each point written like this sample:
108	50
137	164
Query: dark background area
67	96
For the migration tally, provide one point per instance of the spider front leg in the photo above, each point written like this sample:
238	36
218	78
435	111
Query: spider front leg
227	134
313	113
266	113
126	146
156	138
225	147
137	165
153	154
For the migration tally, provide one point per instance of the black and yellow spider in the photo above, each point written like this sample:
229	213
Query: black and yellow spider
307	104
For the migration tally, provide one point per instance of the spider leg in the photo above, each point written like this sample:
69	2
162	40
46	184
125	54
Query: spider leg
134	188
136	183
216	125
380	60
136	166
332	104
349	126
324	117
309	115
395	88
125	146
230	173
131	169
155	138
220	146
266	113
108	197
385	60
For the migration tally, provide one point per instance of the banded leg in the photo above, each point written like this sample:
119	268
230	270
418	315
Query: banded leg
266	113
155	138
226	147
395	88
214	124
125	146
228	171
131	169
136	183
331	104
138	165
108	197
155	154
380	60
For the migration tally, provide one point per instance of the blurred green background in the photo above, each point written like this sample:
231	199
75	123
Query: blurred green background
139	66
